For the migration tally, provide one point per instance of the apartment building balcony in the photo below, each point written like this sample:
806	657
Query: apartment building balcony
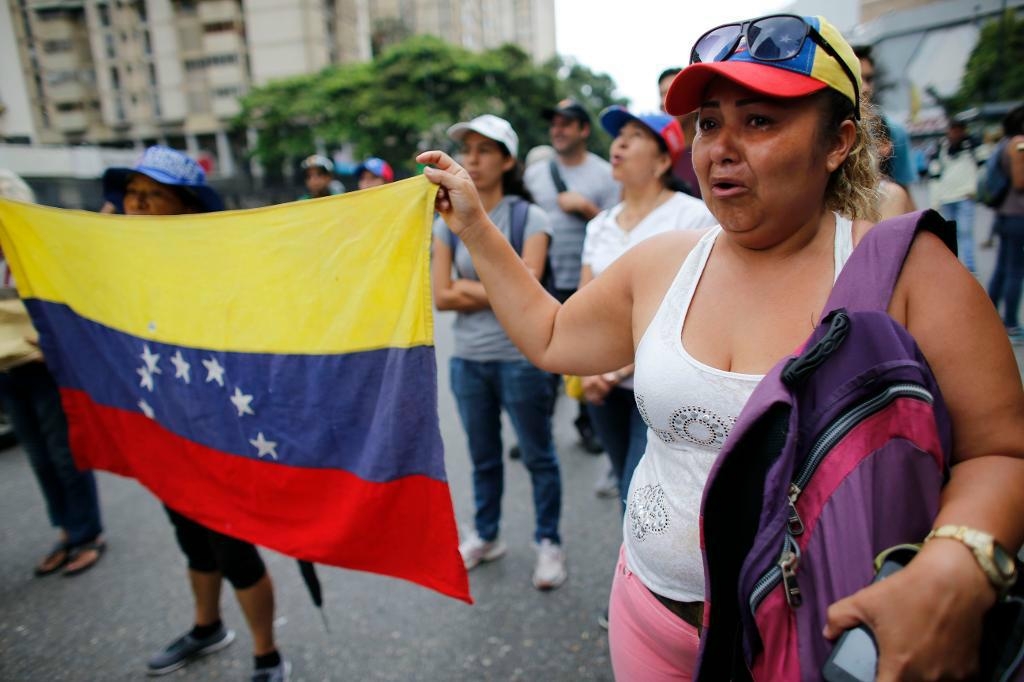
227	76
60	29
53	5
218	11
71	121
224	42
68	91
225	107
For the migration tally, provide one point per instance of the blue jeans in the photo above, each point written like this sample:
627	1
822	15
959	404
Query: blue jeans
481	390
622	432
1008	276
963	213
32	402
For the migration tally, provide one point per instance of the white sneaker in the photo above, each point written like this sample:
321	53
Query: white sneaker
607	485
550	570
475	550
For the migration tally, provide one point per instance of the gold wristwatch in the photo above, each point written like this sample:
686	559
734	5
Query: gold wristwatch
998	564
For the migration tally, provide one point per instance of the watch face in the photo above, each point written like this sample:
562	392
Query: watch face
1004	562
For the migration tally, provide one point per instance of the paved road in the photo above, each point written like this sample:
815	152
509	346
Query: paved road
103	624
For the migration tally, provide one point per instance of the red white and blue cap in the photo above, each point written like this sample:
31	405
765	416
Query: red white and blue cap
666	127
168	167
810	71
377	166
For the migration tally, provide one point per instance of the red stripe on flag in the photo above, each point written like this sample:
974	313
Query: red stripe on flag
404	528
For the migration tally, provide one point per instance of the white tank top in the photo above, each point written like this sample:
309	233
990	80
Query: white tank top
689	408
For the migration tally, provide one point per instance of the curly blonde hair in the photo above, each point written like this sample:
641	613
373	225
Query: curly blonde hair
852	189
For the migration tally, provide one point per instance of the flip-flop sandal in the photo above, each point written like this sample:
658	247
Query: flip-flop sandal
57	558
98	546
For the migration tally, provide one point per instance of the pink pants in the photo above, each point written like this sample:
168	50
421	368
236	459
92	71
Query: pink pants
648	643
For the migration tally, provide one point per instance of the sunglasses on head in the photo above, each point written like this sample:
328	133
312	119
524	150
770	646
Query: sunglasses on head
774	38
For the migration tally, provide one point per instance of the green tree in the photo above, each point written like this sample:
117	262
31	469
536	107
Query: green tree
404	100
995	69
594	91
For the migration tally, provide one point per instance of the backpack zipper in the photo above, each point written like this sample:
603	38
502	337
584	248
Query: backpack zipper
836	431
784	570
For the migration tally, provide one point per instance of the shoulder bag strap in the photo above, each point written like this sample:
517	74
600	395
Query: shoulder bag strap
556	177
869	276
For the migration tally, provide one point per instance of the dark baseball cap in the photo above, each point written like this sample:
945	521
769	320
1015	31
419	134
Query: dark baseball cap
569	108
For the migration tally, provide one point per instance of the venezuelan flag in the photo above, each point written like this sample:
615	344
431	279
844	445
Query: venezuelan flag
269	373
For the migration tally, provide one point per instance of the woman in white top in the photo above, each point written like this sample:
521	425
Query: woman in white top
643	153
781	154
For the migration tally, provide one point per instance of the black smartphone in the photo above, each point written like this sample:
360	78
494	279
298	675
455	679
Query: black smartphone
854	658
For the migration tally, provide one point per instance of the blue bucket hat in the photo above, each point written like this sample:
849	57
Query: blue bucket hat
168	167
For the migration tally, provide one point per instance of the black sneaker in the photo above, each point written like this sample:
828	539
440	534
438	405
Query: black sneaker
186	649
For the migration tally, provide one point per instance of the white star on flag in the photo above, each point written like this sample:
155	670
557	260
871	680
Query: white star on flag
146	380
214	371
146	409
181	367
241	402
150	358
264	446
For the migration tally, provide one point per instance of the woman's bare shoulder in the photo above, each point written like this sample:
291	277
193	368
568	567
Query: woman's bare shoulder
668	246
861	228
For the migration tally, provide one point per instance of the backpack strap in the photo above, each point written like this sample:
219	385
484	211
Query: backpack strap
517	226
453	241
869	276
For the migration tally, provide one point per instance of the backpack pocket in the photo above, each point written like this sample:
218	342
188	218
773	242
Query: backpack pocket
870	480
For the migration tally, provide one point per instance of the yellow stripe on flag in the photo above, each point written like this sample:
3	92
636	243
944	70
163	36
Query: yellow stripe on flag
335	275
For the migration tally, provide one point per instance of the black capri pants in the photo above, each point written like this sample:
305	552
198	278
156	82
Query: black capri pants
211	552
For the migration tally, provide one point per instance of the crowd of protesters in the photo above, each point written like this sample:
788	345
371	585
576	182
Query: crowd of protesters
670	277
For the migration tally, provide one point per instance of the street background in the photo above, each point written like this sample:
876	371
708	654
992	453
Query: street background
105	623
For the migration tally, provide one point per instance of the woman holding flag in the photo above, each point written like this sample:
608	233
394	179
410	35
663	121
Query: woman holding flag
167	182
785	158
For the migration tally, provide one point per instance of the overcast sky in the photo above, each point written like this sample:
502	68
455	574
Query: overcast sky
634	41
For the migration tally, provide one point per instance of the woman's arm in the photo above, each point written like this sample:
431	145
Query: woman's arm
535	253
459	294
591	333
927	617
1015	149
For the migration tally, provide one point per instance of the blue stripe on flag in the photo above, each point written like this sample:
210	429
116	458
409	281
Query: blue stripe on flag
367	413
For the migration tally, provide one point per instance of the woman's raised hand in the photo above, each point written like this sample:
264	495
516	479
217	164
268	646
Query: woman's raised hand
457	200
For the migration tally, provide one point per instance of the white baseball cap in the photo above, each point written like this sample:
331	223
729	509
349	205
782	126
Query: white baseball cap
490	126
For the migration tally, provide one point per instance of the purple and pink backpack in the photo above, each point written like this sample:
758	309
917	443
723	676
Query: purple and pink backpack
840	453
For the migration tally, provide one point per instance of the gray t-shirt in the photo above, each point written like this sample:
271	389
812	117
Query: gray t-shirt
592	179
478	336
